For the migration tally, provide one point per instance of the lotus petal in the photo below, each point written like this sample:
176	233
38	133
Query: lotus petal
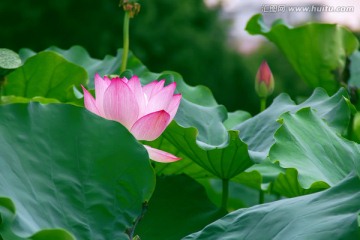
161	100
150	126
173	106
135	86
160	156
89	102
100	87
120	103
153	88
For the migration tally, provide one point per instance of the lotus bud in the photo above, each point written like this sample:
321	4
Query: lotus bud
264	82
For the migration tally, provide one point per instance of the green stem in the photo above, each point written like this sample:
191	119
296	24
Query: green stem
225	193
261	196
126	41
262	104
131	231
2	80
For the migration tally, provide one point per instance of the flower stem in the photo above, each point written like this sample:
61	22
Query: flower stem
131	231
262	104
225	193
126	41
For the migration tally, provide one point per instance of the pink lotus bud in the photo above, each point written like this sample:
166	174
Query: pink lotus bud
144	110
264	82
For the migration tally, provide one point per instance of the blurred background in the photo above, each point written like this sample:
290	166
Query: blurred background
203	40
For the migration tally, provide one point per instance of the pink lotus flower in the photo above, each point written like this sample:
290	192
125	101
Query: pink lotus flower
144	110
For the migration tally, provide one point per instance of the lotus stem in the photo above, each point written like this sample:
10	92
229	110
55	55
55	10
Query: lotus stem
2	80
126	41
262	104
131	231
225	193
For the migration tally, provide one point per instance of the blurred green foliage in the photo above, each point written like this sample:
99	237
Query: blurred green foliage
183	36
189	38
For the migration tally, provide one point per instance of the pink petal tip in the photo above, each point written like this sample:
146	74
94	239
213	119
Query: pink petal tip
160	156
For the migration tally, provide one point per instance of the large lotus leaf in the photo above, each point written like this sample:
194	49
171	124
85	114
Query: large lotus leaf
178	207
258	131
9	60
185	166
224	162
48	75
271	178
317	51
16	99
287	184
235	118
200	95
331	214
7	214
208	120
306	143
64	167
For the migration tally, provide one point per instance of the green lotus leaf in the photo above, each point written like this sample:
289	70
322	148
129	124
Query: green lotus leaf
224	162
331	214
48	75
66	168
258	131
315	150
287	184
317	51
7	215
17	99
235	118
